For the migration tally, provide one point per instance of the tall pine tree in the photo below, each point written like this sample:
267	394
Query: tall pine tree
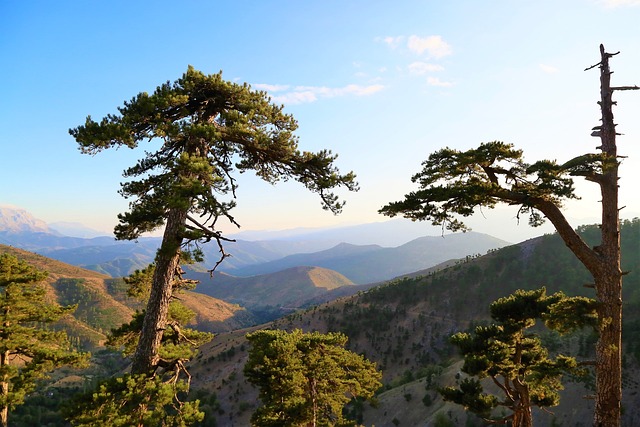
453	183
209	130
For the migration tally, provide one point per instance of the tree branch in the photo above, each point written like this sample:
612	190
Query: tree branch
625	87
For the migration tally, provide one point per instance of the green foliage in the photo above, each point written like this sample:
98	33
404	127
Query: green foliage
211	129
454	182
427	400
306	377
28	352
178	342
42	408
514	359
135	400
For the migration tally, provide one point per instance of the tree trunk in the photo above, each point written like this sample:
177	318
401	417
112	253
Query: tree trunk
4	391
314	402
146	356
522	417
609	280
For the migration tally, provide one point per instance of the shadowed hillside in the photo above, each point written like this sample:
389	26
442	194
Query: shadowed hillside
404	326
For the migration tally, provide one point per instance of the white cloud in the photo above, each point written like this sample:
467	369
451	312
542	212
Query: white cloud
423	68
301	97
434	81
270	88
392	42
307	94
434	45
550	69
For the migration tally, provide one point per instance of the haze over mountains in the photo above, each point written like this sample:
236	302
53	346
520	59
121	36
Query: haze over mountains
357	252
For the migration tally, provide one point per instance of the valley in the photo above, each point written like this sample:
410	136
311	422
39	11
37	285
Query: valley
398	306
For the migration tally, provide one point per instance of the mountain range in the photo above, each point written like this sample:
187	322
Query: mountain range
373	263
360	263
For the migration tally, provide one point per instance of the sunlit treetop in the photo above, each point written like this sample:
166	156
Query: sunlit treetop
210	130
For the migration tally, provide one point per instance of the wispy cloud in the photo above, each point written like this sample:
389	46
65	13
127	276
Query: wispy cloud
433	45
434	81
550	69
424	67
430	49
390	41
306	94
269	88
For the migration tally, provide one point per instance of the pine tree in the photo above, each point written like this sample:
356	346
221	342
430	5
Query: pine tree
209	129
306	378
28	352
453	183
514	359
157	399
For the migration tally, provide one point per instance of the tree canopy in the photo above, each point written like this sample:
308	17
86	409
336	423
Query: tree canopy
28	351
210	129
306	378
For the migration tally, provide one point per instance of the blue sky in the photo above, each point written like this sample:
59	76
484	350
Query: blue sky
383	84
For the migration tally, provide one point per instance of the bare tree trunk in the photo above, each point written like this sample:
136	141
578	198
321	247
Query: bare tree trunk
146	356
609	280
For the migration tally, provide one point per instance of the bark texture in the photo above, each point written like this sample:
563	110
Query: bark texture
146	356
608	278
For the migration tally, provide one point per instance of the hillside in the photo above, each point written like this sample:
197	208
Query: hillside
290	288
373	263
103	304
404	325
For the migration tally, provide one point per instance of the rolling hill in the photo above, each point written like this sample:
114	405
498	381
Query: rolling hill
289	288
404	326
103	303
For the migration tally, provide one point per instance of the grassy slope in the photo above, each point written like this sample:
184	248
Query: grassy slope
290	288
103	304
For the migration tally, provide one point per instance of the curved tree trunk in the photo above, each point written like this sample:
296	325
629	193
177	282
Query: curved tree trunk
146	356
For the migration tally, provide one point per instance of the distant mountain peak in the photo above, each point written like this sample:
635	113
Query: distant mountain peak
76	229
16	219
